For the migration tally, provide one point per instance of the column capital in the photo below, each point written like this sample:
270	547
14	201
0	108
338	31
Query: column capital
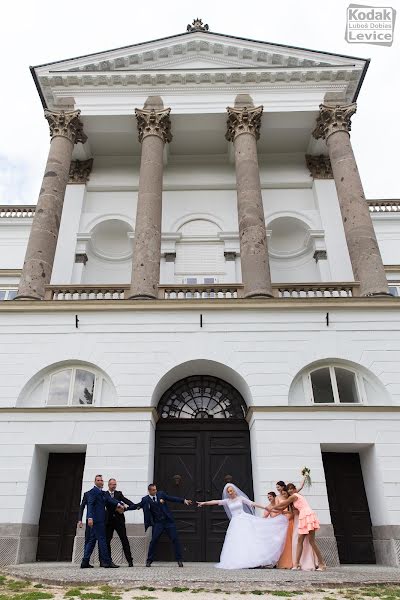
154	122
79	171
332	118
243	120
66	123
319	166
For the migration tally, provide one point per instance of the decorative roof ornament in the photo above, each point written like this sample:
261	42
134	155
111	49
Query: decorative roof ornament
197	25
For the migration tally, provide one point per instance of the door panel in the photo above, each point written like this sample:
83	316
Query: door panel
203	454
349	507
178	469
60	506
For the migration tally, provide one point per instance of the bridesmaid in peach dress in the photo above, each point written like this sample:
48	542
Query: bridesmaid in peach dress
286	559
307	526
272	501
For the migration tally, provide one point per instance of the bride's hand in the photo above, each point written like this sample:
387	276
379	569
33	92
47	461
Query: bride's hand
200	504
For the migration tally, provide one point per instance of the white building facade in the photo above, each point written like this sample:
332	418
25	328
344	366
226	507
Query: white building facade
201	295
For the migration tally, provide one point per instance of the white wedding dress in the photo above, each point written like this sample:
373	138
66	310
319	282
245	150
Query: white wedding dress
251	541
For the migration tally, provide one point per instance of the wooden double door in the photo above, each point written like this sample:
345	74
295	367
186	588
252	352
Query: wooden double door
349	507
60	506
194	460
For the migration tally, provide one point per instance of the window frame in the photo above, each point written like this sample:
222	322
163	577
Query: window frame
359	383
97	388
7	291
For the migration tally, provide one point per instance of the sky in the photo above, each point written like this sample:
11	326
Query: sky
44	31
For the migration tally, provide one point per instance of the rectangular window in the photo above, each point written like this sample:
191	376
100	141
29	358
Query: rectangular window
346	384
59	388
83	387
322	386
7	294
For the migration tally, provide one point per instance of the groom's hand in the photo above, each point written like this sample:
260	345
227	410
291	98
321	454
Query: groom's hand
90	522
188	502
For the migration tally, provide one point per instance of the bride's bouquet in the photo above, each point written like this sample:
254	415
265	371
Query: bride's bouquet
306	473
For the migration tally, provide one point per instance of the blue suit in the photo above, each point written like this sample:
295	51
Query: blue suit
97	500
158	516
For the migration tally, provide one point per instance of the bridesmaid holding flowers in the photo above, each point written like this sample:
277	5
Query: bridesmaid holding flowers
307	525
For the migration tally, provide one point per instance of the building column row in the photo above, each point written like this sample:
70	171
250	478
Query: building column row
66	130
334	125
243	129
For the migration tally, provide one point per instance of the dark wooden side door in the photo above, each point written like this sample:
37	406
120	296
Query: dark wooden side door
60	506
349	507
192	460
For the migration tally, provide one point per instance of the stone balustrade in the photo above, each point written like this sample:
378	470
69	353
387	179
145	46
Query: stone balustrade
85	292
378	206
15	211
200	291
316	290
223	291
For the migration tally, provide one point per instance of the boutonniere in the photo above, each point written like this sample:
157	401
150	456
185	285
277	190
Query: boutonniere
162	501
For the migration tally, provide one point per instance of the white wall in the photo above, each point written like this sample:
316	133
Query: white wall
117	445
135	348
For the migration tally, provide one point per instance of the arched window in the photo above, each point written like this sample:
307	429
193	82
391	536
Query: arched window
75	386
202	397
66	384
336	383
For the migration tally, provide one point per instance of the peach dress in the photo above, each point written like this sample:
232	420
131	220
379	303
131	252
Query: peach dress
308	520
308	560
286	559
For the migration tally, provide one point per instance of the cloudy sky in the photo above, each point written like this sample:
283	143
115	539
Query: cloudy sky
45	31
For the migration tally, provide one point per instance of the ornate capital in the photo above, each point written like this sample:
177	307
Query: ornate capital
81	257
243	120
79	170
154	122
66	123
197	25
320	255
332	118
320	166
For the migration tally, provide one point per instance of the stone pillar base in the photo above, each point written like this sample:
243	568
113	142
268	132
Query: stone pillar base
138	541
327	543
387	544
18	543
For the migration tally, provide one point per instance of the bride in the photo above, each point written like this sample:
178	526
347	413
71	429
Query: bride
250	541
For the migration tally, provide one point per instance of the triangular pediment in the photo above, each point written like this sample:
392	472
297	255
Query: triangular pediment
199	50
201	58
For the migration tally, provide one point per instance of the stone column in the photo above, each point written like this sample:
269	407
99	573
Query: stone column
65	130
244	124
154	128
333	125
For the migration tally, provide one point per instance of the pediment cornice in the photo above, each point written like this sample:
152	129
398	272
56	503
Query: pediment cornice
203	58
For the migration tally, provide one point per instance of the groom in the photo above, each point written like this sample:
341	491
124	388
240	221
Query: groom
158	516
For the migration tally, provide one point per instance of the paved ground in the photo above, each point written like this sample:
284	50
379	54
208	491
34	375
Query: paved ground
203	575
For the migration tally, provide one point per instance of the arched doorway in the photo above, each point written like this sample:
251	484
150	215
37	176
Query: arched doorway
202	443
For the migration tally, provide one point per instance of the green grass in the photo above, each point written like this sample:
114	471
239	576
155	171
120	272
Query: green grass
17	585
27	596
180	589
72	593
146	588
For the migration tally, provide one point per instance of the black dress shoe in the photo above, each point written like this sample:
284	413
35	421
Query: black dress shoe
111	566
86	566
148	563
180	563
130	564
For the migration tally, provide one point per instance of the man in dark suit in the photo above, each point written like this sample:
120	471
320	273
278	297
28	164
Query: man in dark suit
116	520
158	516
96	520
82	507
